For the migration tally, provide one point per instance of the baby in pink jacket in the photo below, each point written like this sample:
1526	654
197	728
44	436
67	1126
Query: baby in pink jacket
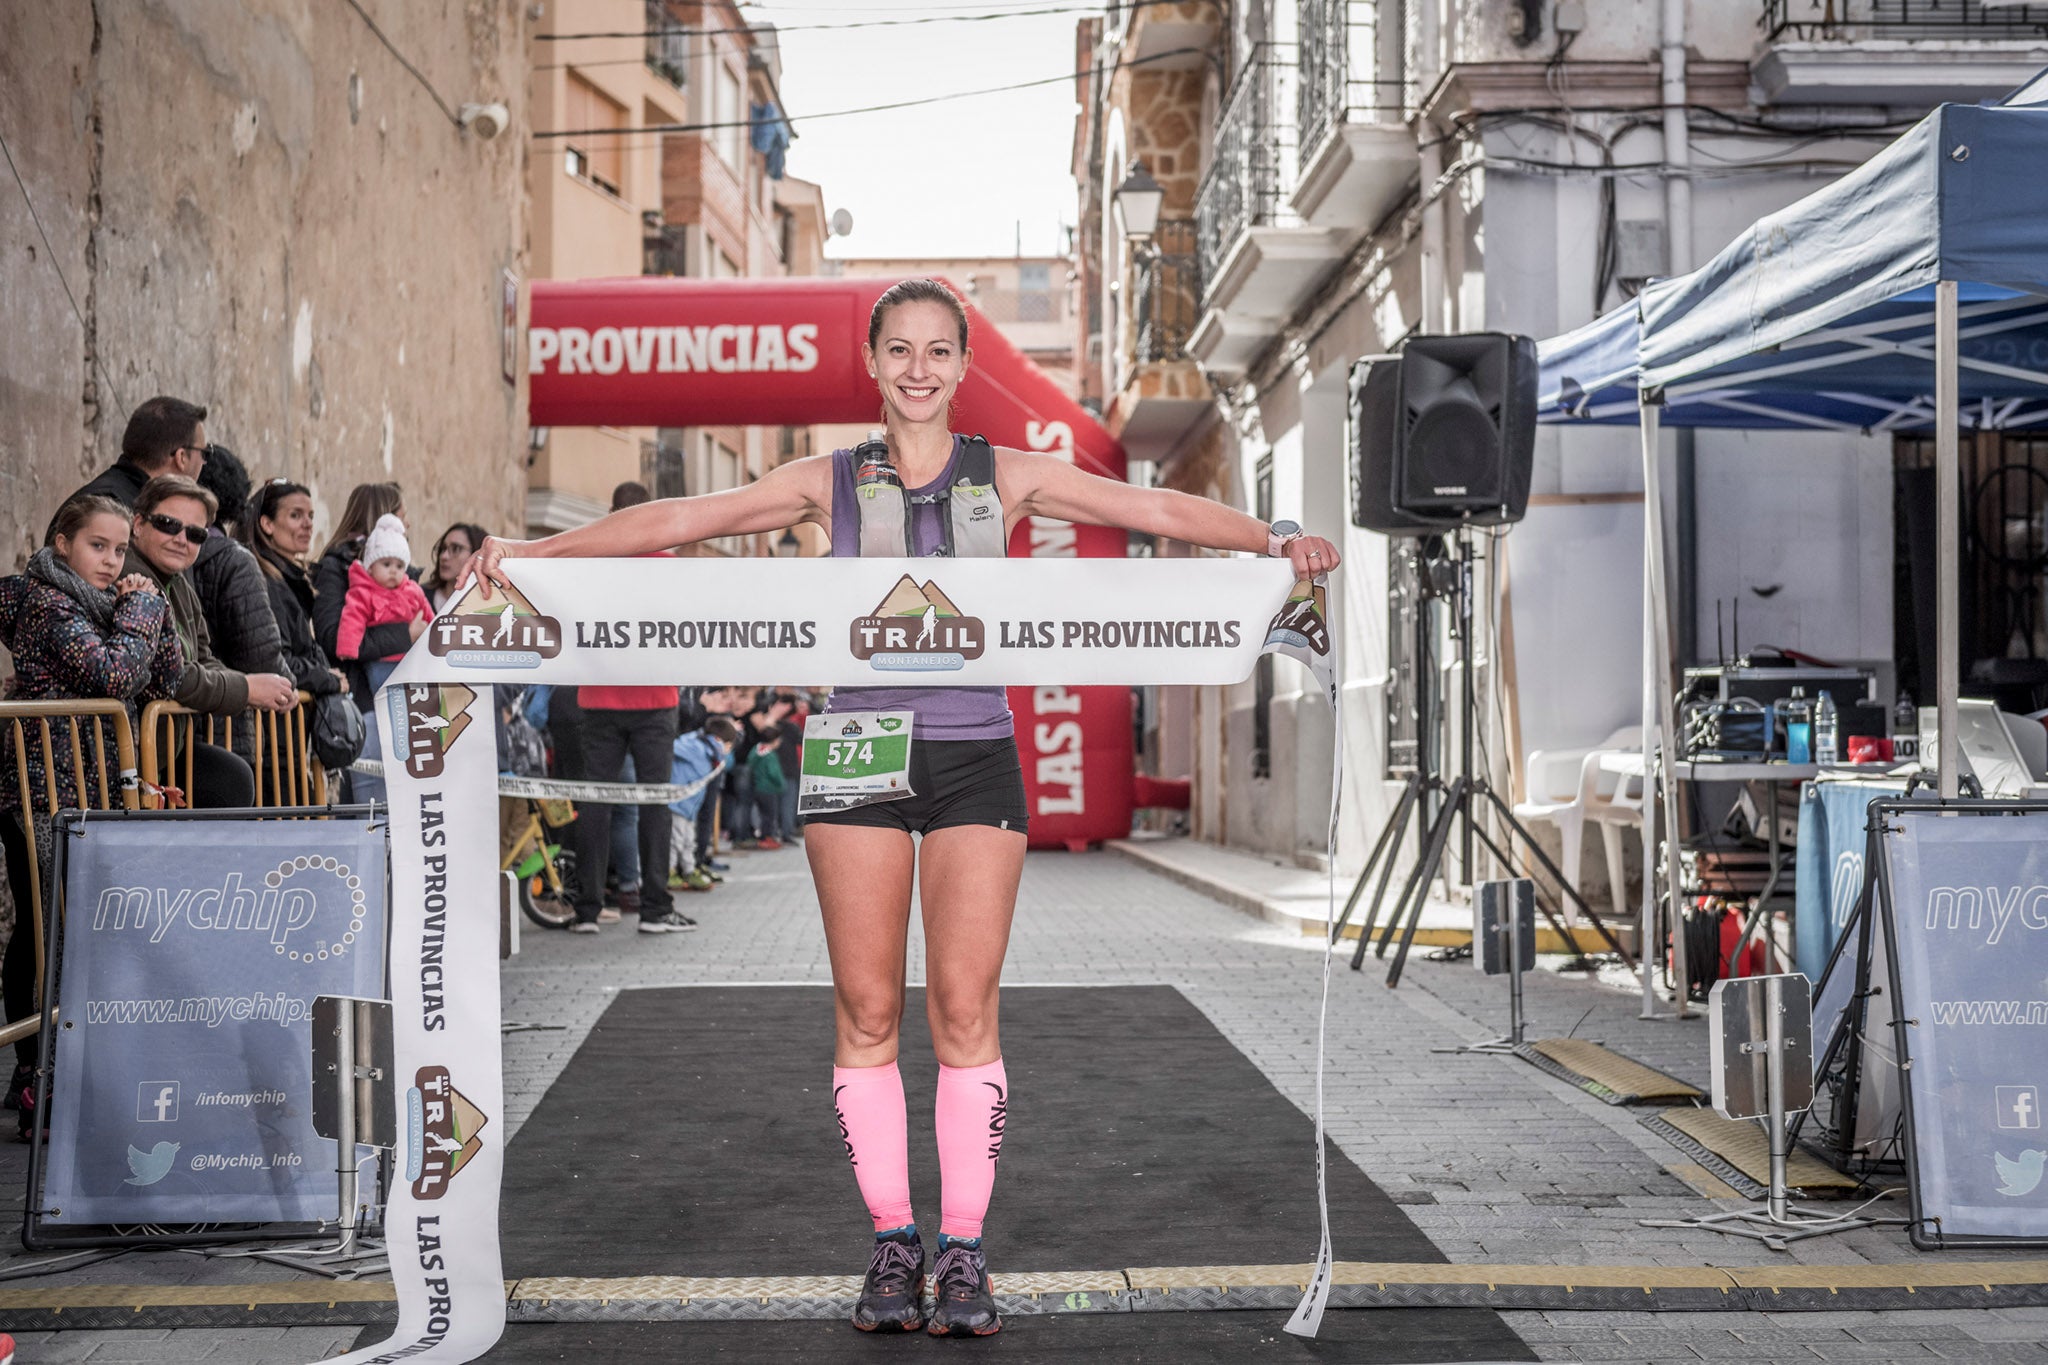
380	594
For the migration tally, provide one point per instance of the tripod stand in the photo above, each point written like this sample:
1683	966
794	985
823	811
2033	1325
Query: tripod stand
1449	576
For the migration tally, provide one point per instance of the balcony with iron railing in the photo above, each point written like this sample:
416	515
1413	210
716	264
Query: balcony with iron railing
1169	287
1858	20
1901	53
1161	396
1357	155
668	44
1252	159
1257	256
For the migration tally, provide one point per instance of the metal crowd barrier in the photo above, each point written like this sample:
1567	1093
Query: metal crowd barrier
287	773
54	728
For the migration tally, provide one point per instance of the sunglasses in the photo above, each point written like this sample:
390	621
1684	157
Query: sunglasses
171	526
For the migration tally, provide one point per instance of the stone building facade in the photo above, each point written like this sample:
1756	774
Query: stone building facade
254	205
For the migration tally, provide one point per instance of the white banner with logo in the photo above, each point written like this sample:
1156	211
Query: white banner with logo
441	1224
808	622
859	622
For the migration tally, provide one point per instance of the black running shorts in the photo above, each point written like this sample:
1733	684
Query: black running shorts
958	782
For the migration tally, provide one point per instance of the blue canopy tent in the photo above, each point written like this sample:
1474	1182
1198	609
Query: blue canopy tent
1911	294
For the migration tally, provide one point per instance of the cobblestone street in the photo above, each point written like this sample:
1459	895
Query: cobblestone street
1495	1161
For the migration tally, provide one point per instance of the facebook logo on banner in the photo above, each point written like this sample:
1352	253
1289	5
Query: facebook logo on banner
2019	1106
156	1102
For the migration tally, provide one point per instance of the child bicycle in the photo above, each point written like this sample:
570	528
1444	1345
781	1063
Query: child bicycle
544	867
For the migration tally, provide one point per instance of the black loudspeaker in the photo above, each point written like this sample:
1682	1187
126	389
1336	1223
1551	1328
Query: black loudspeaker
1375	435
1445	437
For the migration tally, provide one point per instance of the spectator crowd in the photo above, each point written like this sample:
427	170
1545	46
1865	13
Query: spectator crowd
172	577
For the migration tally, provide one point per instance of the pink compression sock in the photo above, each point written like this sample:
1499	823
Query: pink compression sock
974	1105
876	1132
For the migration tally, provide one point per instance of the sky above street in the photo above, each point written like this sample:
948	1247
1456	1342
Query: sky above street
955	178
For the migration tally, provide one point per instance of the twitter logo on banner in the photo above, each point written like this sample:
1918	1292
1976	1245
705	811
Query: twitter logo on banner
2016	1177
154	1164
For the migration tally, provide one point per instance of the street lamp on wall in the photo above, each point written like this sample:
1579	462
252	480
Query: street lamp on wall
1138	201
789	547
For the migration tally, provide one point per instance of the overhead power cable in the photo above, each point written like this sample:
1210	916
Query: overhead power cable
58	266
404	61
842	113
977	14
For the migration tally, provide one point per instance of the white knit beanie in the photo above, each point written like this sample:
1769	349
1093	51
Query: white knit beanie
386	541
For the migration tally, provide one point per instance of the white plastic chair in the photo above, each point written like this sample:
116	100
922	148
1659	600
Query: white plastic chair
1567	787
1618	804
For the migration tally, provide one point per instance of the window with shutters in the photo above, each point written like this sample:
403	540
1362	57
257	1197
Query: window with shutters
597	157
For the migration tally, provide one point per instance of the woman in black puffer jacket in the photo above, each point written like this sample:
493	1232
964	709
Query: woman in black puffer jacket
231	589
278	529
366	503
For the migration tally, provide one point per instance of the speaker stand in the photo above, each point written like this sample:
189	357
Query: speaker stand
1460	797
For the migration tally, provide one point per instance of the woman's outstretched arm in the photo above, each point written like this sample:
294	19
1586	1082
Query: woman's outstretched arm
1045	486
796	492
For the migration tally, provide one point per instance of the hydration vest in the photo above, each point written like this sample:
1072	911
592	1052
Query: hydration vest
973	520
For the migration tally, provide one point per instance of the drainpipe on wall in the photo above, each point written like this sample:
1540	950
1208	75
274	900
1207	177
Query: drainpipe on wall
1428	71
1678	242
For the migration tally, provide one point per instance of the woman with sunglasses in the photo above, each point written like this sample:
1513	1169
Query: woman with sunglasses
171	516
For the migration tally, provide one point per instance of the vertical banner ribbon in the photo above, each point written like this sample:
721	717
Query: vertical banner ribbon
1301	632
441	1224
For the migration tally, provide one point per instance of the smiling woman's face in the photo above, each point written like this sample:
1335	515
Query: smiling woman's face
918	361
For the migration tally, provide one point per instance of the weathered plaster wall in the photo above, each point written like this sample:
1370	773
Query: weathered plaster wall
257	208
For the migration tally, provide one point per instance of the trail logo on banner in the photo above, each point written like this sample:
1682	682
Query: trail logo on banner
918	630
1301	631
441	1132
506	632
435	716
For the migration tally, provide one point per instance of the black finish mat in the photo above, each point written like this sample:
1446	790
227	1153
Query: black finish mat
1408	1336
693	1134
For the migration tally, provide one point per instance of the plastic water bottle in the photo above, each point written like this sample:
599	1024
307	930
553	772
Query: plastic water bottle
1827	731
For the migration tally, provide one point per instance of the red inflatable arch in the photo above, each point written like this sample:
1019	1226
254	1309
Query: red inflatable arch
680	352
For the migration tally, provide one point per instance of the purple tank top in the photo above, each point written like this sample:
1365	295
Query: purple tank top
943	713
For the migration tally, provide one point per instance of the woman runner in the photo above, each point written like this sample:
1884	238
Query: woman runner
969	808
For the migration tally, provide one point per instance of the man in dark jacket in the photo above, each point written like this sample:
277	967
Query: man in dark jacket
164	436
171	515
232	590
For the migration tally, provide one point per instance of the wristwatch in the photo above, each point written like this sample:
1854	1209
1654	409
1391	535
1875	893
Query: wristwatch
1278	534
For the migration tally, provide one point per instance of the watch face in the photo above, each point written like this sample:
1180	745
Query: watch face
1285	528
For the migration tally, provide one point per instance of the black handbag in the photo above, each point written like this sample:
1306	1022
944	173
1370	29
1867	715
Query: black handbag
338	731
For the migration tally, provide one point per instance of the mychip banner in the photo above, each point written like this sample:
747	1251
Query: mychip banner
1968	920
811	622
182	1074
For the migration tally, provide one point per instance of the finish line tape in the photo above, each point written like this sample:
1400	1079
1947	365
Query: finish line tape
608	793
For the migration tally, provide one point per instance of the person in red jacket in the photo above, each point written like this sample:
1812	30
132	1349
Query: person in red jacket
380	594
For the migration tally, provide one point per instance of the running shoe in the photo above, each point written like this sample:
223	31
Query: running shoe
770	843
608	915
892	1294
697	880
963	1296
584	926
674	922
